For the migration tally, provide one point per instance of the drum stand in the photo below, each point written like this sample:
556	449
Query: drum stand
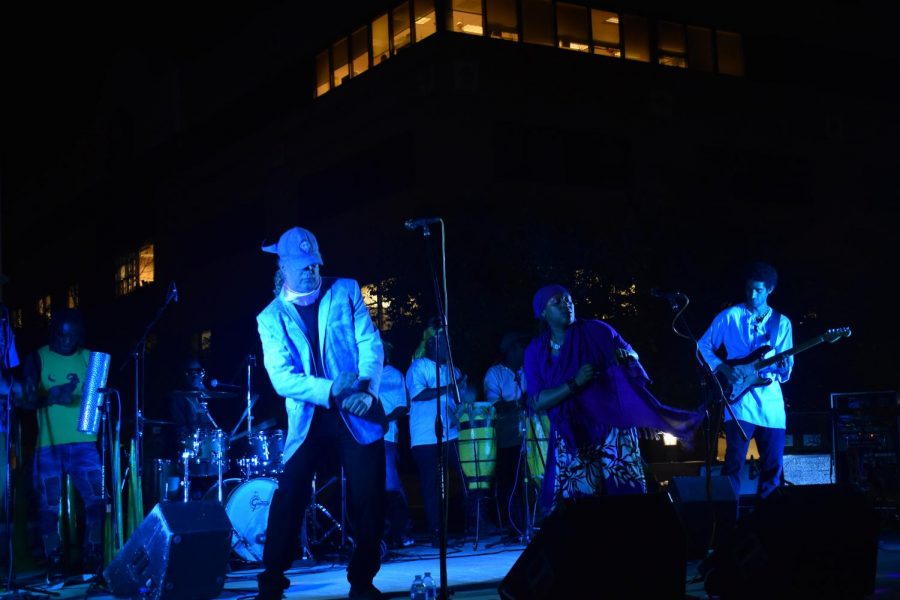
311	522
527	535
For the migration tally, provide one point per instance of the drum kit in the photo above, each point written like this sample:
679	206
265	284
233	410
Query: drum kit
211	452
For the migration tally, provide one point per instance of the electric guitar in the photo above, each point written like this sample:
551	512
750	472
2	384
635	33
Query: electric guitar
746	370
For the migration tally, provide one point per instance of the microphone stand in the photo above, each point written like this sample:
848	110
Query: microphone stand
711	432
438	421
138	354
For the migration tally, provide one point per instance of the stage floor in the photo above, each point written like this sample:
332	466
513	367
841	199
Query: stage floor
472	574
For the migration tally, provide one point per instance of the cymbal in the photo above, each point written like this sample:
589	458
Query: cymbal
204	394
157	422
263	425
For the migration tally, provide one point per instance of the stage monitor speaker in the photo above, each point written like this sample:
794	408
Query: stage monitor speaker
610	547
707	517
179	552
810	541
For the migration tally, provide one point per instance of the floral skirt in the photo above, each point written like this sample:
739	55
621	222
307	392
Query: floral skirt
614	467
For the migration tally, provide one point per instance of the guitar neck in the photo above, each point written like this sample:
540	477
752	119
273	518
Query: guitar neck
765	362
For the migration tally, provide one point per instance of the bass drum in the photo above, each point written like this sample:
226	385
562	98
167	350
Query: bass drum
247	506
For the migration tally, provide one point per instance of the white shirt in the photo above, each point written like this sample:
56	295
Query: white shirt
393	394
502	384
420	376
736	331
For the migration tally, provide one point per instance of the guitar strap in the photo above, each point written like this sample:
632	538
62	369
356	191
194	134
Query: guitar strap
772	327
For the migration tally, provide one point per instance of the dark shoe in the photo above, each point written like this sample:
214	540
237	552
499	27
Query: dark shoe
365	592
271	587
56	572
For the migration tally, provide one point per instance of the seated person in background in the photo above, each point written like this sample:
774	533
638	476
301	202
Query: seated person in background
187	404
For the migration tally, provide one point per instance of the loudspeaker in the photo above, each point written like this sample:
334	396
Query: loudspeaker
811	541
622	546
706	517
179	552
749	476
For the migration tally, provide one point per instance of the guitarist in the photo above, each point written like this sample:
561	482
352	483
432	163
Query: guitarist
735	333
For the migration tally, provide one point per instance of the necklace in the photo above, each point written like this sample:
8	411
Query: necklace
554	346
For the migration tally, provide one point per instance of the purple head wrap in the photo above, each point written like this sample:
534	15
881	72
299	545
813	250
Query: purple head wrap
543	295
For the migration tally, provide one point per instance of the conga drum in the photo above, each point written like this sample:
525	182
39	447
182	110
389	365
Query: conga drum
537	433
477	444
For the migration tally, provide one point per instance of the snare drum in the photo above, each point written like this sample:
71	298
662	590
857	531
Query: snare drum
247	506
206	450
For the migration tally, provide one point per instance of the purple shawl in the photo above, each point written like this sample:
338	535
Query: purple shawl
618	397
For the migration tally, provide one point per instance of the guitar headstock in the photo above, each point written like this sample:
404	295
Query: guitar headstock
833	335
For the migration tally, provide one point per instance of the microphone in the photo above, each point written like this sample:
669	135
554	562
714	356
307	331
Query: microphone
413	224
215	383
173	291
671	297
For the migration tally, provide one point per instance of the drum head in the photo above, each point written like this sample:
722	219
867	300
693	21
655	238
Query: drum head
248	508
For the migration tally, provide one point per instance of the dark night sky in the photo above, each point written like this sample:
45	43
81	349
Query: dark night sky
56	59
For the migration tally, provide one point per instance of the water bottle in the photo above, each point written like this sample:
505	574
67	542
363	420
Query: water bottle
430	591
417	591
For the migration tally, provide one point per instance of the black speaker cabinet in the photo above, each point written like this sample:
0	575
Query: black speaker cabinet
708	516
810	541
179	552
610	547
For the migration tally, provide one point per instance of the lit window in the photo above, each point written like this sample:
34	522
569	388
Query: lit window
605	27
359	46
323	80
572	27
670	46
400	23
730	53
537	22
18	320
699	48
146	265
381	40
466	17
426	24
501	20
340	67
72	296
206	340
135	270
637	40
45	307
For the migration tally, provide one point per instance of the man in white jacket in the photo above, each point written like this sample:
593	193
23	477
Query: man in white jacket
324	356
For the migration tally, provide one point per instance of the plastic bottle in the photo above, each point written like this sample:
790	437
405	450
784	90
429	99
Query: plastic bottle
417	591
430	590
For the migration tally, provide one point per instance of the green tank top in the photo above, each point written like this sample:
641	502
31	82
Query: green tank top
58	424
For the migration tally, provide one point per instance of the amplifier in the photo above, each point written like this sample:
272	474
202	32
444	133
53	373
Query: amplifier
866	439
808	469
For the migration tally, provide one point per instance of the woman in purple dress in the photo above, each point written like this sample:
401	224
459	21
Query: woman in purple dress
590	383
